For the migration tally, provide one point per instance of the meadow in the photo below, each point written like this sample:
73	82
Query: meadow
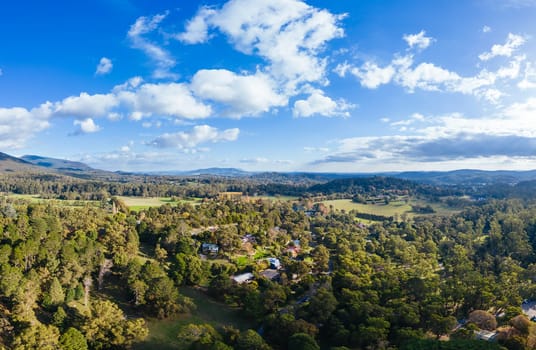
133	203
394	208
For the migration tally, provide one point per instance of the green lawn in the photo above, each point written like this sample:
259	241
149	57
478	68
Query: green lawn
35	198
163	333
391	209
140	203
275	198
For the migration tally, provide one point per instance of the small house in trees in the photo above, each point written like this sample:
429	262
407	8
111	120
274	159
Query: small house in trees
486	335
270	274
243	278
293	248
274	263
210	249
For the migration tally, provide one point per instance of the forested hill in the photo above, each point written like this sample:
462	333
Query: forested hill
468	177
13	164
54	163
378	185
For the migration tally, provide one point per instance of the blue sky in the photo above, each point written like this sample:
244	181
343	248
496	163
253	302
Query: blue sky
285	85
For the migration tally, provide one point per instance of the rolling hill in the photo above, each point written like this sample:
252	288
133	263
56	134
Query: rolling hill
10	164
57	164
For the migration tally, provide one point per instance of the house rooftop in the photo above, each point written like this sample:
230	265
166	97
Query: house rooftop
270	274
485	335
242	278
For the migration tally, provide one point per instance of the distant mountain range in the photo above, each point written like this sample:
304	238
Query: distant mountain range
464	177
10	164
34	164
56	164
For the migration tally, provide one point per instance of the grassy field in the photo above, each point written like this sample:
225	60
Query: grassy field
391	209
133	203
35	198
163	333
275	198
140	203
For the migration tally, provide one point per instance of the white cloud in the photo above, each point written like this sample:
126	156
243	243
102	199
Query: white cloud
414	118
134	98
257	160
428	76
342	68
18	125
197	28
156	124
513	42
310	149
86	126
162	58
420	40
244	95
529	78
86	105
198	135
425	76
105	66
164	99
289	34
114	116
486	29
319	104
371	76
455	138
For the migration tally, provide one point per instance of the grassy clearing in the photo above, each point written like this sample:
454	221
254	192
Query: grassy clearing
140	203
35	198
241	261
275	198
163	333
391	209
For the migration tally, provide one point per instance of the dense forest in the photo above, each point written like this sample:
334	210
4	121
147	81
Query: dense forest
302	274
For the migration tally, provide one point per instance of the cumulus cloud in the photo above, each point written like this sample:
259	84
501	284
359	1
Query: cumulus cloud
197	28
486	29
105	66
86	126
513	42
529	77
319	104
419	149
419	40
198	135
18	125
511	133
86	105
426	76
371	76
161	57
242	95
403	71
134	98
163	99
288	34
